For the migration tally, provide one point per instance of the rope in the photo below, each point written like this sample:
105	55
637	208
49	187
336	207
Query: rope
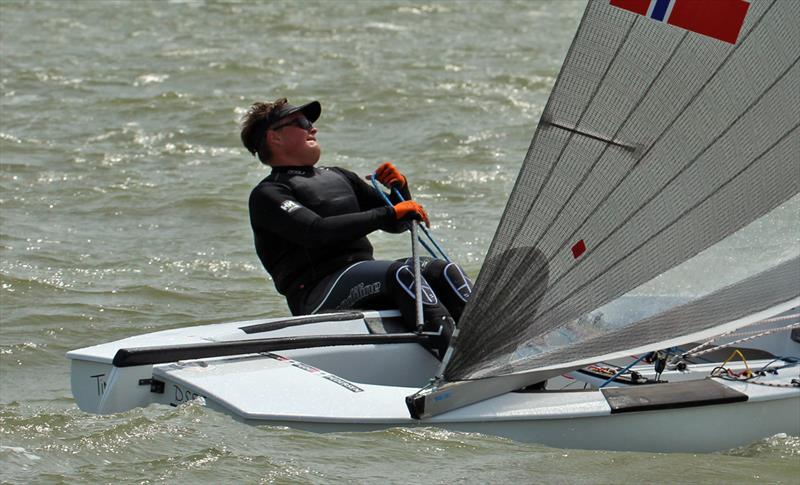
747	372
424	231
694	353
749	379
746	376
374	180
779	319
758	332
734	333
794	383
389	203
731	333
623	370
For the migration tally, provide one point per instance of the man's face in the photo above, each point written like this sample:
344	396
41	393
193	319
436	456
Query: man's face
294	141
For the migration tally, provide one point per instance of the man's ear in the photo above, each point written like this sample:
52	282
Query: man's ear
272	136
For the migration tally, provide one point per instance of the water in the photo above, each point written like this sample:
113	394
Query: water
123	192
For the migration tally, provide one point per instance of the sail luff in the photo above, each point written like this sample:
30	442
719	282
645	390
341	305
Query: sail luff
489	291
479	286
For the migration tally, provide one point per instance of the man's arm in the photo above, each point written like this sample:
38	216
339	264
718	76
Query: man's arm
274	208
369	198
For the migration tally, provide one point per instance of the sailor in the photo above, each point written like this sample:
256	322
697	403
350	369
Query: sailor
310	225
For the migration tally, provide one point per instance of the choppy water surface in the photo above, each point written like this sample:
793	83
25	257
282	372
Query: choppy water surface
123	192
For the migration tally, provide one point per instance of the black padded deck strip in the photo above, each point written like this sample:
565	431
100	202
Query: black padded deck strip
294	322
670	396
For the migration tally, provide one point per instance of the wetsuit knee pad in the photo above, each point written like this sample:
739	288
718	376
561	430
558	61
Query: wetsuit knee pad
400	277
458	281
446	276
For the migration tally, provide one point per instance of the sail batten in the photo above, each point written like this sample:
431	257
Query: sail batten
656	143
571	133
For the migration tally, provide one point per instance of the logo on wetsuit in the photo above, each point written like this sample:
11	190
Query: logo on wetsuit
358	293
290	206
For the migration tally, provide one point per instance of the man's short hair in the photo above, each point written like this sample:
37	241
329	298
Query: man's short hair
254	128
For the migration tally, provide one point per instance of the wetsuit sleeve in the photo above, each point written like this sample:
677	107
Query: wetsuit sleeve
369	198
274	208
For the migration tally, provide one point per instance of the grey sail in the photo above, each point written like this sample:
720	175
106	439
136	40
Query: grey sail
656	144
762	292
752	300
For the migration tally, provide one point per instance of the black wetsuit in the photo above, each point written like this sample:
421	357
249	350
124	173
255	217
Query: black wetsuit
310	226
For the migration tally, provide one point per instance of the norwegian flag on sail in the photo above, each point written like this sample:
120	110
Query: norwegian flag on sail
721	19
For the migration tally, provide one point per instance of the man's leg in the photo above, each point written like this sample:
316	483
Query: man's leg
361	285
400	279
375	285
380	285
450	283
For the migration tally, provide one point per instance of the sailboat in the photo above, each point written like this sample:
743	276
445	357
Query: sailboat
665	135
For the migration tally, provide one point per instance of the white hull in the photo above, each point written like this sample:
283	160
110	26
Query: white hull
363	388
692	430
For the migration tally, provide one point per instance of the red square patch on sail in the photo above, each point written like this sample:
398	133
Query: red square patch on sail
578	249
635	6
720	19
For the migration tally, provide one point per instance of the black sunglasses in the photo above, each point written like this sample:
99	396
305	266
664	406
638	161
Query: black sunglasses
298	122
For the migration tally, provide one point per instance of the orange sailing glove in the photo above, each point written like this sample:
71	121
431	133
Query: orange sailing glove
411	210
388	175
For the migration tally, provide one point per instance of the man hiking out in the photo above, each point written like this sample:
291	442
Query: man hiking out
310	225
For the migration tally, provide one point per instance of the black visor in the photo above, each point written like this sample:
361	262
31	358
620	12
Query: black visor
310	110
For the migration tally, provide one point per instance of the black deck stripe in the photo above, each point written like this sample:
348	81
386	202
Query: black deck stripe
173	353
294	322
